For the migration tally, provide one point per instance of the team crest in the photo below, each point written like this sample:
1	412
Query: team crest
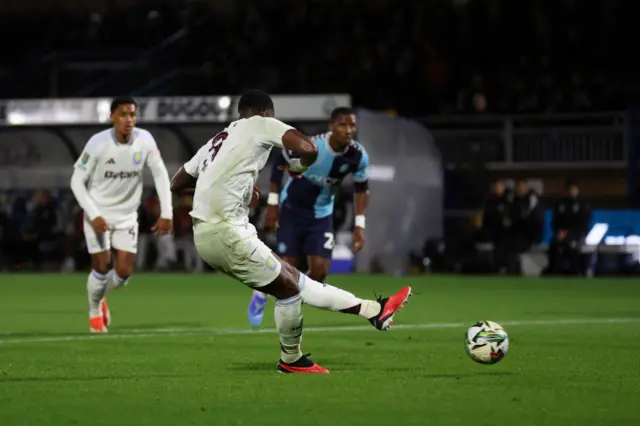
344	168
85	158
271	263
137	158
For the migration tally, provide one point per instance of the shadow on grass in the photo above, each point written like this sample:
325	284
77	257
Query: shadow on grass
342	367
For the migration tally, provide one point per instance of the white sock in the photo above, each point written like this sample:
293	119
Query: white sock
114	282
288	316
96	288
325	296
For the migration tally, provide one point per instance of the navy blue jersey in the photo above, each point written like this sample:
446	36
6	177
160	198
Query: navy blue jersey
313	194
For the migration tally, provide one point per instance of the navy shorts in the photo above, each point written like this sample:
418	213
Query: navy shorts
301	235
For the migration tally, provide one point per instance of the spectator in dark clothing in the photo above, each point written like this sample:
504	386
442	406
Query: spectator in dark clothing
527	217
183	228
4	243
45	216
496	217
497	227
570	225
145	223
74	246
42	234
15	238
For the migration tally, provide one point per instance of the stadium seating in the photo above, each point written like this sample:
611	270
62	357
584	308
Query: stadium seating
440	57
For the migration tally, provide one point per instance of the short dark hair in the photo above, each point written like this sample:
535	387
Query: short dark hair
256	100
340	111
122	100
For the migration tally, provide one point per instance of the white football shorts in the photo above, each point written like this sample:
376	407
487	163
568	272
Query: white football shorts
237	251
120	236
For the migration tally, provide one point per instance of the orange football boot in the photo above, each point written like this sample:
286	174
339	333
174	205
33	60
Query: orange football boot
106	314
96	325
389	306
302	366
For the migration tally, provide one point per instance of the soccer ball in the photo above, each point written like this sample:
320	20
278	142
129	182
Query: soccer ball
486	342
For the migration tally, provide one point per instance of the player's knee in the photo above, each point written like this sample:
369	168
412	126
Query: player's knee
123	271
290	277
285	286
100	264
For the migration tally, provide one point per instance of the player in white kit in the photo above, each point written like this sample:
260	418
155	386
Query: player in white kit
107	183
224	172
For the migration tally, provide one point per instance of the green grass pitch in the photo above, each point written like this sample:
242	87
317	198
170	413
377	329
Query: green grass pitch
181	352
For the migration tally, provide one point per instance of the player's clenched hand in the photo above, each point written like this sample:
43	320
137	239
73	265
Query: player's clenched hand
294	175
358	239
99	225
297	166
272	217
163	226
255	197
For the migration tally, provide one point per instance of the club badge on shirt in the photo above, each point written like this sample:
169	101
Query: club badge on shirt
85	158
271	263
137	158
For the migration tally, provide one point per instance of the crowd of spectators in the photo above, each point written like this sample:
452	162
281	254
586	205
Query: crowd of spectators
513	223
419	57
43	230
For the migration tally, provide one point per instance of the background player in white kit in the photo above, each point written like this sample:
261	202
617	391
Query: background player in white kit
224	172
107	183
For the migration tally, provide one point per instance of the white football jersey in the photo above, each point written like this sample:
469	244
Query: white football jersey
113	174
227	168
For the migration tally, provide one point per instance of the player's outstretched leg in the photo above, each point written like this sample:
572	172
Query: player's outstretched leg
380	312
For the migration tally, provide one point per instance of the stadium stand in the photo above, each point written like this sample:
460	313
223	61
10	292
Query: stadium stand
426	57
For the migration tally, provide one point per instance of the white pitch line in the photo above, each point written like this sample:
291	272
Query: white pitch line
137	333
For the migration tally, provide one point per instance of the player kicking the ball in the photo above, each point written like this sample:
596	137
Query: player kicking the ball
225	171
107	183
304	219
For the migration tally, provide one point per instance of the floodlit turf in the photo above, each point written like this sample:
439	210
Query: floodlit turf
180	352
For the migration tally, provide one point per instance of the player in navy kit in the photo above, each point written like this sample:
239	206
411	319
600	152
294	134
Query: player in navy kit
303	212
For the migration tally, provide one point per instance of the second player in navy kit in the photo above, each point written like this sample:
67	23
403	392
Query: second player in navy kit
303	211
306	204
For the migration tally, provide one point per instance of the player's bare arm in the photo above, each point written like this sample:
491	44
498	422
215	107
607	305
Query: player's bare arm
361	201
182	182
100	225
272	217
300	144
164	225
255	197
82	172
